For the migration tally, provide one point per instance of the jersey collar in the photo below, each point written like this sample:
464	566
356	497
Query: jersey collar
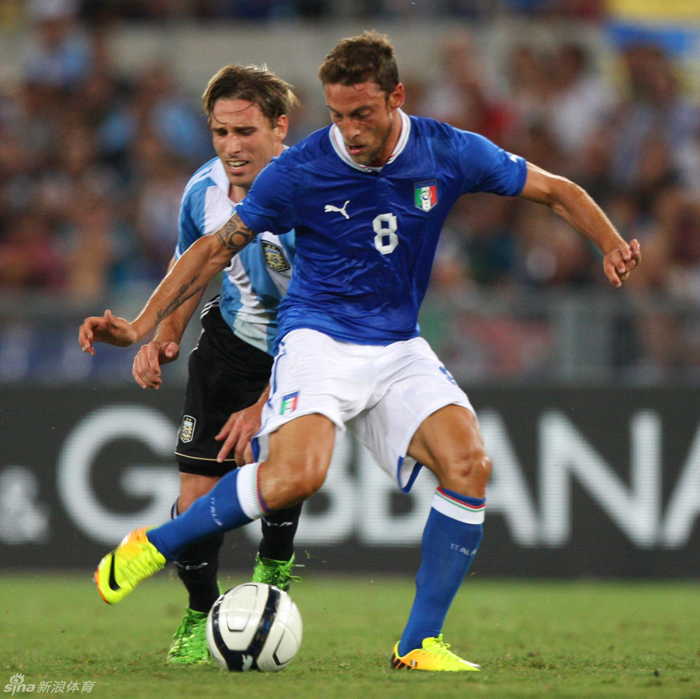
339	145
218	175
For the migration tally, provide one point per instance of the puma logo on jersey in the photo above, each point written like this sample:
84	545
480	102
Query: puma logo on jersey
330	208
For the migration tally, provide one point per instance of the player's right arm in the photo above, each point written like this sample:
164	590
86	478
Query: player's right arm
188	278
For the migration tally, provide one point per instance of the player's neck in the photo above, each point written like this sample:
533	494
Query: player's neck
236	193
387	152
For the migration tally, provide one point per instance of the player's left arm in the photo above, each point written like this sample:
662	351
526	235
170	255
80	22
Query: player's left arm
202	261
577	208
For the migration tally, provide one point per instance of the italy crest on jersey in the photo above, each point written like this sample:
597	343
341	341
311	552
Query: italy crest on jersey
425	194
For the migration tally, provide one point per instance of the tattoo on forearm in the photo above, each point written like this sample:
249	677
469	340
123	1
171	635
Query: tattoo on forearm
186	291
235	235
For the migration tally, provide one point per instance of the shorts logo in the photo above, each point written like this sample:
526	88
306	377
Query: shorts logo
425	194
449	376
274	257
187	428
289	403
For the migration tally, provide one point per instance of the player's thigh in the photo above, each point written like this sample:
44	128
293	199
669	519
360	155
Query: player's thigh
314	374
414	386
300	453
212	394
450	444
225	375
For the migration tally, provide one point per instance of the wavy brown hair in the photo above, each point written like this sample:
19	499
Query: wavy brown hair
358	59
253	84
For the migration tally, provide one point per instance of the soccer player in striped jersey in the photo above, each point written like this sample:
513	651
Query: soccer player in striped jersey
229	369
368	197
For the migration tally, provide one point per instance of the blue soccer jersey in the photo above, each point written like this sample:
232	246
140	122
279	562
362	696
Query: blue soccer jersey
257	278
366	237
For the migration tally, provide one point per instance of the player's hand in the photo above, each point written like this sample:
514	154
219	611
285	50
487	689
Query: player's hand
237	432
107	328
150	358
618	263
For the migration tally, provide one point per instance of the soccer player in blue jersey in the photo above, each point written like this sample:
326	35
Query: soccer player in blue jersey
367	197
229	369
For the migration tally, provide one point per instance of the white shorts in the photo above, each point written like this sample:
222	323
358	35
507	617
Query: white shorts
382	393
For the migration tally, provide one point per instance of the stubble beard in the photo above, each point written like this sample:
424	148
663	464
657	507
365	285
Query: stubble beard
369	157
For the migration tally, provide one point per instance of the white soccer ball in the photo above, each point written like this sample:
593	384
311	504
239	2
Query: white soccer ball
254	627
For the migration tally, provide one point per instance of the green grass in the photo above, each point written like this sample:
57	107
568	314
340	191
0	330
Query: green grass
534	639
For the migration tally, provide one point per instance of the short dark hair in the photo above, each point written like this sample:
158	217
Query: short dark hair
254	84
358	59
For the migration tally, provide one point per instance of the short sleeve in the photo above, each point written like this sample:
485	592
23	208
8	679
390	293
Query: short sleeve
269	204
489	168
189	229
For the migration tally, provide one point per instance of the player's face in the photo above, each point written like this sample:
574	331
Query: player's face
244	139
367	119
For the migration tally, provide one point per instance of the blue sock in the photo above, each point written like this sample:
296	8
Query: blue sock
450	539
231	503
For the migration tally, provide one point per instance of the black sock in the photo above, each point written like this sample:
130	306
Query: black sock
197	567
278	529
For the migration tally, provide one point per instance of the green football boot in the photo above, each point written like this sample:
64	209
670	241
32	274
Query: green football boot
189	646
277	573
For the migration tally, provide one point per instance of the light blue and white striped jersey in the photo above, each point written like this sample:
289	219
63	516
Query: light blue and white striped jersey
257	278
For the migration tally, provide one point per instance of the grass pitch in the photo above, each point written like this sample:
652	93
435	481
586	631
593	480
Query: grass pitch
534	639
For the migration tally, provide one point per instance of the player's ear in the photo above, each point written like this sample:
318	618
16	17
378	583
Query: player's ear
397	97
282	126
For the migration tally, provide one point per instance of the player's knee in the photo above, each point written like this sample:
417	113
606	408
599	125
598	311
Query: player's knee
192	487
308	479
469	473
481	469
294	482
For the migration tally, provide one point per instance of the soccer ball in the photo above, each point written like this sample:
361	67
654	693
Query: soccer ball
254	627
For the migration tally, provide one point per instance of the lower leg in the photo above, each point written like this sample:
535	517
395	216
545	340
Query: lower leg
198	565
448	442
278	530
233	502
300	452
450	540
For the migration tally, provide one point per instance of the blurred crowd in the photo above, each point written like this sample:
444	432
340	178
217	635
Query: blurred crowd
311	10
633	142
92	166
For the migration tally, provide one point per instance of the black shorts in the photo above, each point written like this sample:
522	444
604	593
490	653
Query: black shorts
226	374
